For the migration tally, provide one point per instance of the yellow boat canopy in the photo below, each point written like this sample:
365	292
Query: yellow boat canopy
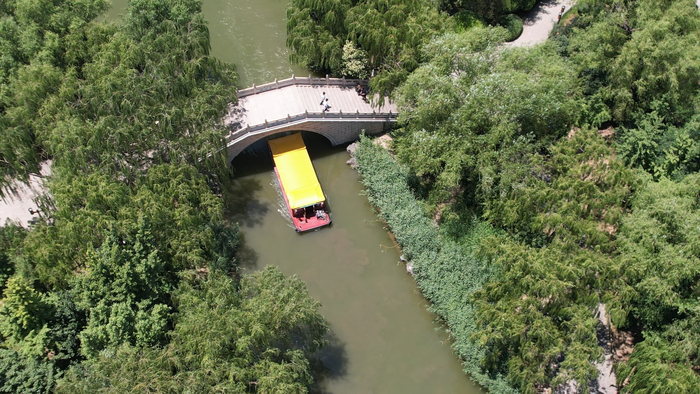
296	171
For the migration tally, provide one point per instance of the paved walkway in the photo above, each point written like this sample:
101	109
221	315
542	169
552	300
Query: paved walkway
277	104
540	21
16	208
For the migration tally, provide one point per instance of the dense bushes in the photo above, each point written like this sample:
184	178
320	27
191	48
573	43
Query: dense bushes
514	25
473	110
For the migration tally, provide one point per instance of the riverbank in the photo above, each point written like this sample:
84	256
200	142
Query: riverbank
446	273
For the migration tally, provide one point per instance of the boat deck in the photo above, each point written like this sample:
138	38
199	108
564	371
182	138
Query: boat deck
302	192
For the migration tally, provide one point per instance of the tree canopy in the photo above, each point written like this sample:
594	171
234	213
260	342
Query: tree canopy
132	259
389	33
581	157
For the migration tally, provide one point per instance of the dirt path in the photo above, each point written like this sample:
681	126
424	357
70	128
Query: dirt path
540	21
16	208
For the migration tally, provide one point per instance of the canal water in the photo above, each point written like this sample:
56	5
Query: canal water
251	34
382	338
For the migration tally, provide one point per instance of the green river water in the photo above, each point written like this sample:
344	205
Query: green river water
382	338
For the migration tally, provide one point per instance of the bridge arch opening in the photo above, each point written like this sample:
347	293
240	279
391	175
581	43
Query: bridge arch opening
256	157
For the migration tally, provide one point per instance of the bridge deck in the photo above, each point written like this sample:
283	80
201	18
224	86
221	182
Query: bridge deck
293	100
294	104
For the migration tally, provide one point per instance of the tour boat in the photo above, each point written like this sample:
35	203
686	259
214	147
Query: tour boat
302	193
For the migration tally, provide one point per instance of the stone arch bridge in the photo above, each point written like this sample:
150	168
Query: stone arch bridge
294	104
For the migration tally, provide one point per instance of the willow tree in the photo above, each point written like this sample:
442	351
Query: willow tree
473	109
152	94
656	276
389	32
538	316
316	32
229	337
635	61
39	41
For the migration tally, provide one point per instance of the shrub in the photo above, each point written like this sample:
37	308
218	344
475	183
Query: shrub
467	20
514	25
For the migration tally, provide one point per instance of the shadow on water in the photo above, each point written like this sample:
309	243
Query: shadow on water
256	158
241	205
328	364
246	257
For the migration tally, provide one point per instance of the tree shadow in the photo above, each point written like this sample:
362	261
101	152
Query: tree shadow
329	363
235	117
246	257
536	13
241	205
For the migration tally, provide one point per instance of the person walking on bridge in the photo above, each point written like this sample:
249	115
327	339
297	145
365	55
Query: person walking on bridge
323	98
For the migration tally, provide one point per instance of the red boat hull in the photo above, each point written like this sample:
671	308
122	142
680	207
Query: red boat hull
310	220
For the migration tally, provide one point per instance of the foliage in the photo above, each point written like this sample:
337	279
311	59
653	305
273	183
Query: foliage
132	108
125	289
659	148
181	209
537	318
659	365
657	275
465	20
226	339
634	58
474	108
577	194
38	41
446	275
514	25
389	32
19	374
23	311
492	11
354	62
660	252
11	237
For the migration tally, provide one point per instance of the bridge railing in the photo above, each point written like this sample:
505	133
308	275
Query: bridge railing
294	80
374	116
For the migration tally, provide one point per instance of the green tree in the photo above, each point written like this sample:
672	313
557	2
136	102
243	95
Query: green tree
660	365
389	32
125	290
23	311
19	374
39	40
537	317
226	338
474	108
185	217
659	148
634	58
659	265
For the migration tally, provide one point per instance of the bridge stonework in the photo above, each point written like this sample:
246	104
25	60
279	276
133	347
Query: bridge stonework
294	105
